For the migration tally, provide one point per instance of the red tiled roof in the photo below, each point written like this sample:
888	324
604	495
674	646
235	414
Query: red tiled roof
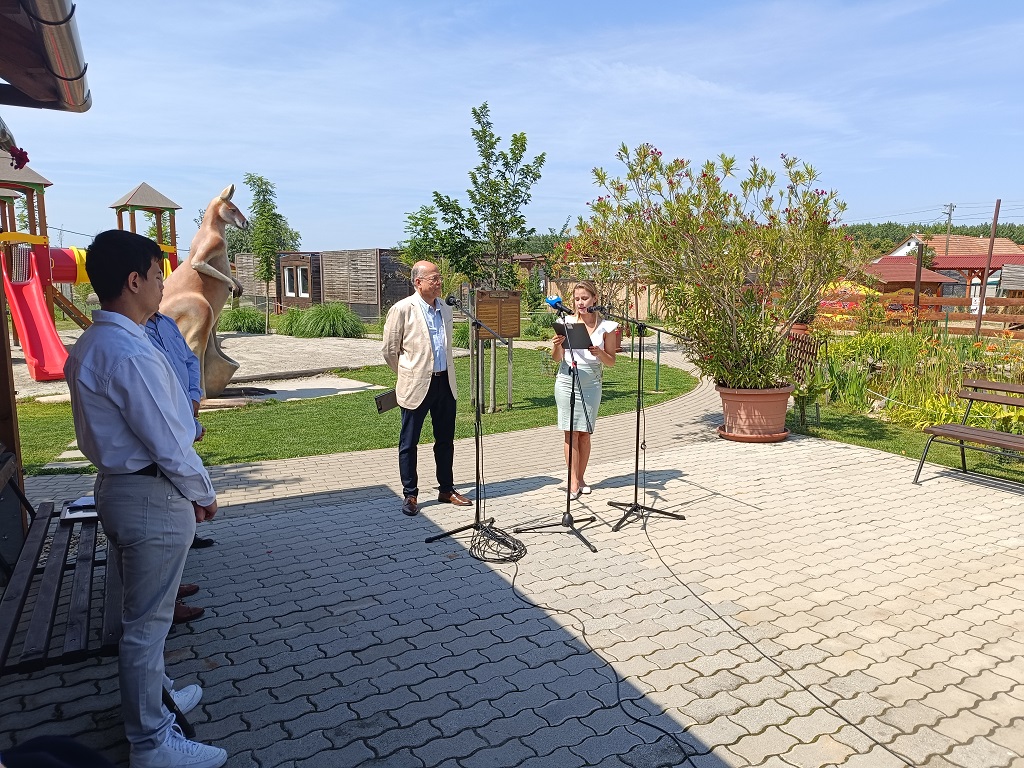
965	261
965	245
903	270
977	262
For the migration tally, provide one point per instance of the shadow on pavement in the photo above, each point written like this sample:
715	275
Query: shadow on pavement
334	636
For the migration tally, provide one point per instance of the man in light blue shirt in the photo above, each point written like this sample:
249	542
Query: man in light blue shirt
135	423
166	336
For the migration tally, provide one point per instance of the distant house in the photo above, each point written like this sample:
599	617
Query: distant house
1011	281
963	258
895	274
368	281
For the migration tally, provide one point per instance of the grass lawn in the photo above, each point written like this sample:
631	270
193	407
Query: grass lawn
46	430
276	430
858	429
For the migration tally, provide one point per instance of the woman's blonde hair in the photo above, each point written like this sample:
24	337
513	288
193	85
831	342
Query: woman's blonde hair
588	286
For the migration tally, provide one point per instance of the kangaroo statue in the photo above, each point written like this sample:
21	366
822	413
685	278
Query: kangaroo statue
195	293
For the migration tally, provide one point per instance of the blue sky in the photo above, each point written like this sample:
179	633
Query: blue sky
357	111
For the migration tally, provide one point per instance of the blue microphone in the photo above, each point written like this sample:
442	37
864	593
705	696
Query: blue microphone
555	302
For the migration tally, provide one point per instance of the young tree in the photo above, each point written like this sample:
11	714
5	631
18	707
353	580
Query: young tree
264	231
483	236
165	226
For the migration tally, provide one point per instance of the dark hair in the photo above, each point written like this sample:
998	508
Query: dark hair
113	256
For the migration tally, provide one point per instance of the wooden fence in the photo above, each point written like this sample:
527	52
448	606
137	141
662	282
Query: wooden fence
1001	317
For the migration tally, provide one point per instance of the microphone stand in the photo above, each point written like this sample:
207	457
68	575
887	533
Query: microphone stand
635	507
567	519
478	523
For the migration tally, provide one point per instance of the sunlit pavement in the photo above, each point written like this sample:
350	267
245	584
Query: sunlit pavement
814	608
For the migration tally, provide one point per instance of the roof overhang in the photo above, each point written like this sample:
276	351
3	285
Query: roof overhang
41	58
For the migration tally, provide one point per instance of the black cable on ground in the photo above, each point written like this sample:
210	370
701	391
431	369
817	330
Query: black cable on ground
785	672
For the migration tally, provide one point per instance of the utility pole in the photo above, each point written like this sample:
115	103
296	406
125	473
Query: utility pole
948	210
988	268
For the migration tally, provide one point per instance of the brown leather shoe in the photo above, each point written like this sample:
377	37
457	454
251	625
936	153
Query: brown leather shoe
410	507
187	590
183	613
455	498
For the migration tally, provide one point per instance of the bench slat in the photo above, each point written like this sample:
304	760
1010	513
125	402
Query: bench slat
995	386
112	606
40	627
76	635
16	592
986	397
978	435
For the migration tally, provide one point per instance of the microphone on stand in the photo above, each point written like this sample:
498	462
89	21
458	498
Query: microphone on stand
555	302
597	308
451	301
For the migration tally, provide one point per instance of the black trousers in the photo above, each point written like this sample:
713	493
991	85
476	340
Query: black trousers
440	404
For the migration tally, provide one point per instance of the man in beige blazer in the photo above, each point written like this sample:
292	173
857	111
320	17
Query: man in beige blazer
418	347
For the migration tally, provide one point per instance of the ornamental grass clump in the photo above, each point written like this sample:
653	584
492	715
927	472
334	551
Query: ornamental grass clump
242	320
321	321
739	259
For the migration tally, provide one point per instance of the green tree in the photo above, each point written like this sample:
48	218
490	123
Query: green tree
165	224
264	231
492	226
481	237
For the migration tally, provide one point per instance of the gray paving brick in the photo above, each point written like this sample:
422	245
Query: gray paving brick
561	757
563	732
457	746
252	740
457	720
423	709
383	702
512	752
576	706
302	748
403	737
277	712
665	752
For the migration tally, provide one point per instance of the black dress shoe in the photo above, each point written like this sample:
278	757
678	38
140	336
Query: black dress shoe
410	507
199	542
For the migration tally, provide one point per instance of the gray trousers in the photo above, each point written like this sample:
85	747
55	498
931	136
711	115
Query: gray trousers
149	526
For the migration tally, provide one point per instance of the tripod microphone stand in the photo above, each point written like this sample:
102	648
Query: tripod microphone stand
478	523
635	508
567	521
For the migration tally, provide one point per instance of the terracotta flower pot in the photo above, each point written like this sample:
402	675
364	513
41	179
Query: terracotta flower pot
754	415
799	329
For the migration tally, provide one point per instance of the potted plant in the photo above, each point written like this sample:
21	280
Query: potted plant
739	260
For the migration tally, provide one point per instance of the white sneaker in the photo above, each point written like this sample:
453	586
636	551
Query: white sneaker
179	751
187	698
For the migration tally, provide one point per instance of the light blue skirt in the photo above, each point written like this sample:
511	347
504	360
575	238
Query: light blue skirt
588	398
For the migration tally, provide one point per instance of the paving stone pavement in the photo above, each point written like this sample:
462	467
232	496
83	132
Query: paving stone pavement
813	609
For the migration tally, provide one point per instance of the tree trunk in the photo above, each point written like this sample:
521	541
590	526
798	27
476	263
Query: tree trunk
266	293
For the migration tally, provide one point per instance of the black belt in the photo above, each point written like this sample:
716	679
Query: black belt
152	470
440	373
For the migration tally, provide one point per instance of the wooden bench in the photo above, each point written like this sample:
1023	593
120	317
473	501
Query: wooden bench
978	438
62	602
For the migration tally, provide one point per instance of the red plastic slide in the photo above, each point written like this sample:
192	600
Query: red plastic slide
44	351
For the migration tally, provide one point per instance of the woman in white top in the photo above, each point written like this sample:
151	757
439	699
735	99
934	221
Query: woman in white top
588	363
